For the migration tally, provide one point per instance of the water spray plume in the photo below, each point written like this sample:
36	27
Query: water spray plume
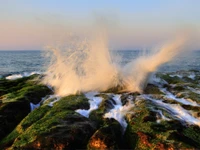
86	65
136	74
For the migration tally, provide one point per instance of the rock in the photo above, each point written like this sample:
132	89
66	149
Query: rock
107	137
150	126
144	132
11	114
105	106
152	89
57	127
15	103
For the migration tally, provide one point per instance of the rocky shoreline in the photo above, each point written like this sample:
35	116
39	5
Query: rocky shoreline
165	116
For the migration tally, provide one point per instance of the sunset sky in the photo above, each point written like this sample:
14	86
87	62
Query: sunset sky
33	24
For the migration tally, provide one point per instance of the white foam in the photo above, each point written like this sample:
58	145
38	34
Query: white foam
93	101
17	76
197	91
192	76
160	117
169	95
177	111
119	111
52	98
157	81
57	98
176	75
34	106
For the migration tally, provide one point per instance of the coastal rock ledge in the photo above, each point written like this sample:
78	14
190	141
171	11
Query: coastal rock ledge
165	116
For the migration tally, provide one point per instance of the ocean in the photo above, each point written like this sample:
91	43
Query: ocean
26	62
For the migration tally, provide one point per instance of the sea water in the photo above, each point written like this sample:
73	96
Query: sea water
26	61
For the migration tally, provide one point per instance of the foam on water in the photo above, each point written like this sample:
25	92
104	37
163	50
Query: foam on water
160	116
176	111
50	99
192	76
94	102
119	111
169	95
197	91
34	106
17	76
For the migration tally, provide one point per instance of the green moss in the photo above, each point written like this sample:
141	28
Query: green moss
152	89
45	119
194	96
8	141
34	116
32	93
7	86
193	135
71	102
179	88
171	80
143	132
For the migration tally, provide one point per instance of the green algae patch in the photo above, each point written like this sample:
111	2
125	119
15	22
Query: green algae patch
193	135
49	122
144	132
7	86
71	102
15	100
152	89
171	80
32	93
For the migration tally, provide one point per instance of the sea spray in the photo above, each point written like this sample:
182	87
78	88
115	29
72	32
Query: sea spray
87	65
81	67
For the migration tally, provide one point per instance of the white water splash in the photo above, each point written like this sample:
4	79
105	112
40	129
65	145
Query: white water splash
50	100
176	75
160	116
93	101
176	111
119	111
169	95
34	106
17	76
192	76
85	66
197	91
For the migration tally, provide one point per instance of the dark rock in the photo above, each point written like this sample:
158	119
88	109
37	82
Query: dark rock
152	89
15	103
107	137
59	127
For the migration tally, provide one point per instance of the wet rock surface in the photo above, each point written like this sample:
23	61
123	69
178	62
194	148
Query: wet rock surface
15	99
165	116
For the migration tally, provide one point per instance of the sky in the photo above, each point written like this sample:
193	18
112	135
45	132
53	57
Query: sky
131	24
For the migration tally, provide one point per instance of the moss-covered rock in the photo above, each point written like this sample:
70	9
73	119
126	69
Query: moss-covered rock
144	132
7	86
15	103
152	89
171	79
150	126
107	137
105	106
57	127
